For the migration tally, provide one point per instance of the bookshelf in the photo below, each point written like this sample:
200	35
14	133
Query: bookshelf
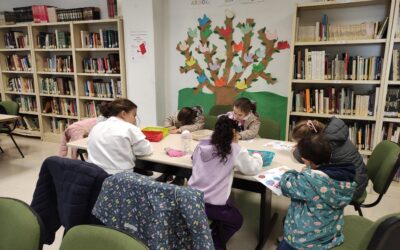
390	110
340	65
62	91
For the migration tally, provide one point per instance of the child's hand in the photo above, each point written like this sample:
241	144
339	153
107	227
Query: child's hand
171	128
174	131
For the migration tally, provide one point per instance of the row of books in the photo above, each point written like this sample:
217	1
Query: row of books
318	66
77	14
16	62
392	102
60	106
58	63
57	86
91	108
391	132
28	123
99	88
342	101
112	7
16	40
362	135
44	14
323	31
20	84
56	40
58	126
109	65
26	103
101	39
395	65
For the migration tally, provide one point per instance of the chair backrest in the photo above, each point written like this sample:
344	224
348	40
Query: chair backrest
220	109
382	165
269	129
210	121
20	227
91	237
383	234
11	107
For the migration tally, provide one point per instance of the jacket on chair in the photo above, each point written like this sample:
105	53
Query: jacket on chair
163	216
65	194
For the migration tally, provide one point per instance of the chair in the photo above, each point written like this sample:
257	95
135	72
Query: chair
220	109
269	129
12	108
220	227
210	121
381	168
20	227
93	237
361	233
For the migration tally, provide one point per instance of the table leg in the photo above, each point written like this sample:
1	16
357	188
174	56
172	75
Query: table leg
266	221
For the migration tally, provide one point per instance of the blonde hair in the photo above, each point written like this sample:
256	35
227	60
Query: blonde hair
307	128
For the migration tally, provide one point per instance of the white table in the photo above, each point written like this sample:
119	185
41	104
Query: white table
8	118
160	162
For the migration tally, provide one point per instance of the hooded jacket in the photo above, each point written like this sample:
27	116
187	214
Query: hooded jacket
318	197
344	151
214	177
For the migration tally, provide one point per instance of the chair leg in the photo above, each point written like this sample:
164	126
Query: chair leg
1	150
358	209
16	145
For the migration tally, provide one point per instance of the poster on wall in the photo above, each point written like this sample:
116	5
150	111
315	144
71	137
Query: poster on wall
138	42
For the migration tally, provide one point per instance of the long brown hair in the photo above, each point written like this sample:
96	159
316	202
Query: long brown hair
115	107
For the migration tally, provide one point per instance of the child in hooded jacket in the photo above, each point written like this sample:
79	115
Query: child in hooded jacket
318	195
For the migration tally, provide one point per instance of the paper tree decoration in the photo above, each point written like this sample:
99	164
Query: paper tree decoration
224	75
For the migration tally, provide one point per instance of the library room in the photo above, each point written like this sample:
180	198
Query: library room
199	124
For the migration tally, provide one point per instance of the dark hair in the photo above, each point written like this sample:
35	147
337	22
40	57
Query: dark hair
245	105
186	116
315	148
115	107
223	136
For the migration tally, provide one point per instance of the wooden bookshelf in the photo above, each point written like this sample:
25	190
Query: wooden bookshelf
308	14
39	74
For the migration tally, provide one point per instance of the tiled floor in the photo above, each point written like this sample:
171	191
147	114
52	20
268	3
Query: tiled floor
18	177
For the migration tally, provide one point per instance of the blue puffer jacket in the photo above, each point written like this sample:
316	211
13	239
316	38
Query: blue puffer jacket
65	194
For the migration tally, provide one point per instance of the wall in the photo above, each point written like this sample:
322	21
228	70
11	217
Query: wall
140	74
180	15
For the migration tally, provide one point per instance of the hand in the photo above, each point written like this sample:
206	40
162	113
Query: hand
171	128
175	131
236	137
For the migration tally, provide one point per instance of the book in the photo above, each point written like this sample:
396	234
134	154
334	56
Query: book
271	178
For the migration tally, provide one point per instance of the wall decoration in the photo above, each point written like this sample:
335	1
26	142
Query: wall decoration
229	71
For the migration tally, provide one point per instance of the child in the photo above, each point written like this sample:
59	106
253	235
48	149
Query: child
318	195
187	118
244	112
75	131
214	161
343	150
115	143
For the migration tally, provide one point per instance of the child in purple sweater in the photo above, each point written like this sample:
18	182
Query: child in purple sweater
214	162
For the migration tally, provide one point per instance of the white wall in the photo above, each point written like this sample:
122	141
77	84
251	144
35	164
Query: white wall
140	74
